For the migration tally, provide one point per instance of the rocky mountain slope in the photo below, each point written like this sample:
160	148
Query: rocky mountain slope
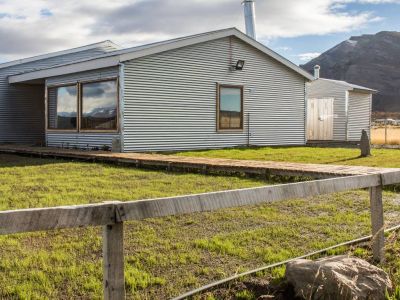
369	60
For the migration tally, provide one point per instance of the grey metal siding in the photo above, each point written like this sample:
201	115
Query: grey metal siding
359	114
326	89
170	99
22	117
80	140
77	139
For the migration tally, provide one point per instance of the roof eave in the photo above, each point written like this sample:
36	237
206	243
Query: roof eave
368	91
100	63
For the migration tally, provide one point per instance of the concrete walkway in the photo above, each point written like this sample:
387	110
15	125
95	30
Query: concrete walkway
183	163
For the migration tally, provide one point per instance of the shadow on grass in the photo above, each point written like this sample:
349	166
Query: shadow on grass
14	160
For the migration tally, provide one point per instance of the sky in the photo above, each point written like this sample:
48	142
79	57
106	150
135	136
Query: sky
297	29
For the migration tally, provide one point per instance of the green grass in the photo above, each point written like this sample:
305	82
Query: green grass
164	256
389	158
256	285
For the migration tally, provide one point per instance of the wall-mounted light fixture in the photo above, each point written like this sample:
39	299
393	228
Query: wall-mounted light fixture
239	65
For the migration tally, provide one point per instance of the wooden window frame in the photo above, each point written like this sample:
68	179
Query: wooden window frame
79	102
230	130
77	108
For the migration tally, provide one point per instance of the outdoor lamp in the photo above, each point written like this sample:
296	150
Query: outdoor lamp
239	65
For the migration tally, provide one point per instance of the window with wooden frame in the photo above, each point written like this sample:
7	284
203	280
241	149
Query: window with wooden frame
230	107
87	107
99	106
63	107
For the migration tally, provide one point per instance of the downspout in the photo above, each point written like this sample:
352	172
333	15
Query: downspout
305	112
121	81
46	112
347	115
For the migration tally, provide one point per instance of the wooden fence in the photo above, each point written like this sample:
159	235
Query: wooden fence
112	215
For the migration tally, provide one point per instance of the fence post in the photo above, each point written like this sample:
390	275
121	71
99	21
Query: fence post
378	234
113	262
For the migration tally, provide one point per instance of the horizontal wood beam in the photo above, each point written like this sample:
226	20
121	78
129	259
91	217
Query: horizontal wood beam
40	219
143	209
27	220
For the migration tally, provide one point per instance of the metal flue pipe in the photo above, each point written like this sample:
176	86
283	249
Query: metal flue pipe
250	18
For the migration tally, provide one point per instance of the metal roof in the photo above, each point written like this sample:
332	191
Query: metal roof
351	86
57	53
113	58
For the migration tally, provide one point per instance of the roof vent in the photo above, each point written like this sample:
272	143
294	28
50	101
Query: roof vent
250	18
317	68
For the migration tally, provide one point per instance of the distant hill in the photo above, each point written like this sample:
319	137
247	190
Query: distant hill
369	60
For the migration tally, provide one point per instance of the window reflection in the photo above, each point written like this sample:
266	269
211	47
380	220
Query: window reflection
99	106
230	108
63	108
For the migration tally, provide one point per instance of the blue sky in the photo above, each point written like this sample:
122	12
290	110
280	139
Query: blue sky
297	29
388	19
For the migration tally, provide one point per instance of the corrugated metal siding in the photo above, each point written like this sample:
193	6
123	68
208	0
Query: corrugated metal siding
359	114
170	99
326	89
81	140
22	107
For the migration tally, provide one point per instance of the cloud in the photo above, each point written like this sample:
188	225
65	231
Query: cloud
304	57
39	26
283	48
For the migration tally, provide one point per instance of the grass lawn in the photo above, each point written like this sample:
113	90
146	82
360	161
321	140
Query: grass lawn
164	256
388	158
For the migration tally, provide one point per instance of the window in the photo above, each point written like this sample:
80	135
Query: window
99	106
62	108
230	107
90	106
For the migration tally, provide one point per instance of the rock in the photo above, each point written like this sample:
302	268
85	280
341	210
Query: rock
338	277
365	144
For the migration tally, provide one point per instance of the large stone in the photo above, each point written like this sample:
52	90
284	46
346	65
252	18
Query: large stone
338	277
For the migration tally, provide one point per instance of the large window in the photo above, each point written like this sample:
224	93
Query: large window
230	107
90	106
63	107
99	106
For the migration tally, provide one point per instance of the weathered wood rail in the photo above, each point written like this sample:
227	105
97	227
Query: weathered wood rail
112	215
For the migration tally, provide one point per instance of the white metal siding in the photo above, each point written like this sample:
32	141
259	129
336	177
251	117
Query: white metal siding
76	139
359	114
22	106
170	98
326	89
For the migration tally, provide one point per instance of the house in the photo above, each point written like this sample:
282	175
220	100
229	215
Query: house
212	90
337	110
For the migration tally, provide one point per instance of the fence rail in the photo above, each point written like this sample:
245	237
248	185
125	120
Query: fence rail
112	215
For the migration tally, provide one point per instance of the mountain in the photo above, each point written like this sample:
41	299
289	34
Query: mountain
371	60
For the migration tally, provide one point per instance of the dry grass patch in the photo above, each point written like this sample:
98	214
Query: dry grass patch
378	135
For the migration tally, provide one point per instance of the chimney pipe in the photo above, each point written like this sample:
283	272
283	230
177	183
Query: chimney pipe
250	18
317	68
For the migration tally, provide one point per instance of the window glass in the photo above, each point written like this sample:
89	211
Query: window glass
99	106
62	107
230	108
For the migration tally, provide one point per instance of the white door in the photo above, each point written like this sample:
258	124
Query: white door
320	119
